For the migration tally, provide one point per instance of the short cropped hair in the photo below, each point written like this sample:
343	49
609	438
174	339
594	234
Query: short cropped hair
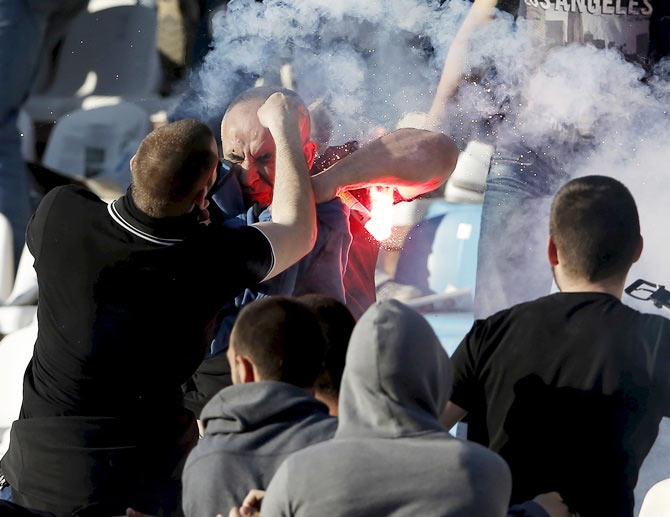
282	338
263	93
337	324
171	165
595	225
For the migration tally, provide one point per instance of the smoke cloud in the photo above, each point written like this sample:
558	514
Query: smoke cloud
373	61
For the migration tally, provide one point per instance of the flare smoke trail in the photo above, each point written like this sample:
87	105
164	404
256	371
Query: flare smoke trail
373	61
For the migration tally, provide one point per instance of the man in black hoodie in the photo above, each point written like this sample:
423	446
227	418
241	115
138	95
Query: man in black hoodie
276	352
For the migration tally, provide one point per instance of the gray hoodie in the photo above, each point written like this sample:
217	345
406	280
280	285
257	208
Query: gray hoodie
249	430
390	455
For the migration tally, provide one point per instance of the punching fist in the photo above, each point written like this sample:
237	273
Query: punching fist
280	110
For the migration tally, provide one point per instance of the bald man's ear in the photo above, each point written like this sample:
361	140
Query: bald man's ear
309	148
132	161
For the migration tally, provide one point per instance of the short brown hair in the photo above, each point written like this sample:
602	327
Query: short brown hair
282	338
337	324
595	226
171	164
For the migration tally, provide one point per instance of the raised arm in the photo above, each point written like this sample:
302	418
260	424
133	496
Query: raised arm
455	65
292	231
413	160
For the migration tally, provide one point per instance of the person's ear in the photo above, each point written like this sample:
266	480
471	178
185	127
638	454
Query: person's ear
638	251
309	148
201	200
132	161
552	252
245	370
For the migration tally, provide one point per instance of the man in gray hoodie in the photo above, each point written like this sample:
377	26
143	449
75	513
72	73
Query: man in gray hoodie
390	455
275	353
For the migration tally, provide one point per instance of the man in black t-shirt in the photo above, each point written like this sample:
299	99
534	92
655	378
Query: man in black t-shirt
570	388
128	295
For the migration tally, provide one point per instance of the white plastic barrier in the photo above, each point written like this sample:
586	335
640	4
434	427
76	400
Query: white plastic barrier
468	181
16	351
657	501
6	258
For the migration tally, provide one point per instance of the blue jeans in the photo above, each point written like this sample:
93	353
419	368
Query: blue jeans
26	27
512	262
6	494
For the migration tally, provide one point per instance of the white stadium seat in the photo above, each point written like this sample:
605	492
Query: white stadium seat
108	54
6	258
16	350
96	145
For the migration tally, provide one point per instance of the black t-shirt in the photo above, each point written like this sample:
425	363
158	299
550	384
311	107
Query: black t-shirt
570	390
127	303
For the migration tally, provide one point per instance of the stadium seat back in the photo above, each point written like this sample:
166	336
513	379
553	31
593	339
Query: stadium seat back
441	252
113	50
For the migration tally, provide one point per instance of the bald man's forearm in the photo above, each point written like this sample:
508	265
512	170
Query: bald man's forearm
412	160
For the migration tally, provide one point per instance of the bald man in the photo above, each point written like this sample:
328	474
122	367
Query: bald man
412	161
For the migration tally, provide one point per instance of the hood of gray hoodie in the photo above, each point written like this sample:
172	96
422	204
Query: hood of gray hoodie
381	394
249	430
242	408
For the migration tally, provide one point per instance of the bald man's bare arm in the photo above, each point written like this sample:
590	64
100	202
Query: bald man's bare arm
292	232
455	65
413	160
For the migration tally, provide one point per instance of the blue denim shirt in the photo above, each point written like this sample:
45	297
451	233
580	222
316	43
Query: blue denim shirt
320	271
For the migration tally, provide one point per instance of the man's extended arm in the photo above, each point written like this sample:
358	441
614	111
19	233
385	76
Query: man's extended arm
455	64
413	160
292	231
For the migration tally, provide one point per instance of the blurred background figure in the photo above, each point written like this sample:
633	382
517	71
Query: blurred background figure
27	28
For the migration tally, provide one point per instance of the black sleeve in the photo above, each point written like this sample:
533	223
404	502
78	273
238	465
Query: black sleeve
661	374
259	253
211	377
38	222
465	360
238	257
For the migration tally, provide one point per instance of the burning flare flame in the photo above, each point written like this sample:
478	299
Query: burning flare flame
381	213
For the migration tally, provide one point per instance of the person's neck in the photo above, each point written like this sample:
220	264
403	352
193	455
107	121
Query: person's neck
169	211
610	286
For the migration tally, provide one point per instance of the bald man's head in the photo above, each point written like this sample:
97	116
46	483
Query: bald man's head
172	165
247	142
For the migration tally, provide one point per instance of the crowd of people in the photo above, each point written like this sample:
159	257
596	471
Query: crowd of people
210	343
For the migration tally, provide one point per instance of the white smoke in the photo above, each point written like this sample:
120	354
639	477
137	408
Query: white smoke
375	60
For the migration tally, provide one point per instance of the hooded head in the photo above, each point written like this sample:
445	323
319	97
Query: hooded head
397	378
